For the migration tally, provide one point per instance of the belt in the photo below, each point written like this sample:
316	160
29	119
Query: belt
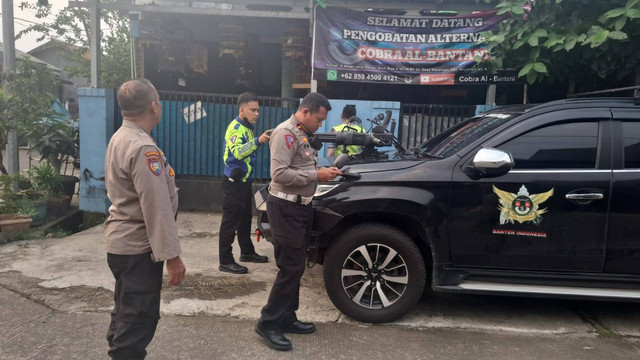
298	199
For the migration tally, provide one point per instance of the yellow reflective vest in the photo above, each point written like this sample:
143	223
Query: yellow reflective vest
350	149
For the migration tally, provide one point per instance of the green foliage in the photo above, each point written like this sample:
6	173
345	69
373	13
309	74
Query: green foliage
28	189
31	93
57	233
578	41
26	208
55	140
47	179
72	27
6	205
24	235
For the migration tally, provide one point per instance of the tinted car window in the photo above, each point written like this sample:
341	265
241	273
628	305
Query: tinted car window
562	146
458	137
631	143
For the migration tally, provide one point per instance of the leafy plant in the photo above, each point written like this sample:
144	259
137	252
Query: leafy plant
47	179
58	233
27	189
26	209
577	41
32	88
7	206
54	139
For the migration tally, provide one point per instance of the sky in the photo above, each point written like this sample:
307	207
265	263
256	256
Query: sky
23	18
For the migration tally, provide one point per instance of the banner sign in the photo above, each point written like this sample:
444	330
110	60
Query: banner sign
351	45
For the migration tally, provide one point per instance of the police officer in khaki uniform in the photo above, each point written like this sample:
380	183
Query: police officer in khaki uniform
295	174
141	229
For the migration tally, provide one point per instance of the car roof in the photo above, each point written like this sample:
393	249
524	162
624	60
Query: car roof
595	101
590	102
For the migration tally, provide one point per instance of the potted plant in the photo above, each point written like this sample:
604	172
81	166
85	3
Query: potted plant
11	220
30	198
13	223
46	178
56	141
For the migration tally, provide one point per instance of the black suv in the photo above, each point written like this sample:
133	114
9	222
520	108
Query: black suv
533	200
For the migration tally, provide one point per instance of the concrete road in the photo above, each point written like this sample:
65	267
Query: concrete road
55	295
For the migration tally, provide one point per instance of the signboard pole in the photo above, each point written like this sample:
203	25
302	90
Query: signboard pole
491	95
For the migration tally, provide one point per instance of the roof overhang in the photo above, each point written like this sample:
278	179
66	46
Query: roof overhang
287	9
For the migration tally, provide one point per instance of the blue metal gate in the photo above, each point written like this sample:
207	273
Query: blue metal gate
191	131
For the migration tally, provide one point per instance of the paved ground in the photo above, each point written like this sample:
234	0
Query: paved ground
55	295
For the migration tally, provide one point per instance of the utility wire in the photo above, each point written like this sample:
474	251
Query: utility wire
17	18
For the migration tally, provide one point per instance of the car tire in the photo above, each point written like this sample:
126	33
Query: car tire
369	260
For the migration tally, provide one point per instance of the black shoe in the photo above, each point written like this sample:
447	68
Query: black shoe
299	327
275	339
233	268
254	258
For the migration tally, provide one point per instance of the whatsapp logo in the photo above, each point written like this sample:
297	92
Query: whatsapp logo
332	75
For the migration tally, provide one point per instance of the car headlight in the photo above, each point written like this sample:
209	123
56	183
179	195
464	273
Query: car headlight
323	189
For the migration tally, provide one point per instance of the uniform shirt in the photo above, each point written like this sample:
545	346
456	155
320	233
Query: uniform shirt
240	147
294	163
351	149
142	189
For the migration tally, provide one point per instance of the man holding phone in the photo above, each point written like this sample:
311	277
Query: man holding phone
240	153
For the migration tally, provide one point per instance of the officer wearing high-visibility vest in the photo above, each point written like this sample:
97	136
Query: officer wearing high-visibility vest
240	152
348	112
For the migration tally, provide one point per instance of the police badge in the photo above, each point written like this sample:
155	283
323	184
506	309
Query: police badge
521	207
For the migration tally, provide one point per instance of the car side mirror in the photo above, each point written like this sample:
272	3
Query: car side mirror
490	162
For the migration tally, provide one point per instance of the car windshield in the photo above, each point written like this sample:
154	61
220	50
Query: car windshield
459	136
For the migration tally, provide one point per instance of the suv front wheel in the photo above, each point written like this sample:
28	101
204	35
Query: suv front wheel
374	273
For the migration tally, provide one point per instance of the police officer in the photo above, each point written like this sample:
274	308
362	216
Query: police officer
295	174
141	231
239	168
348	124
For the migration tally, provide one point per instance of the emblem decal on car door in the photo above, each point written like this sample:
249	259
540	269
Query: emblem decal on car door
521	207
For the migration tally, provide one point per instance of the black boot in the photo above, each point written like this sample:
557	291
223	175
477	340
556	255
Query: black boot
253	258
299	327
233	268
274	338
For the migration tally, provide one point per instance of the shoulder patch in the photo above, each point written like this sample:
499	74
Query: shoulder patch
152	153
233	139
289	139
155	165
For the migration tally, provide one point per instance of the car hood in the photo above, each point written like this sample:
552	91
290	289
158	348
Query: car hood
372	165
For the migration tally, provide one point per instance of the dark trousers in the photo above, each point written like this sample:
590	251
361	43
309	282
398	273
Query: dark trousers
290	229
236	218
137	304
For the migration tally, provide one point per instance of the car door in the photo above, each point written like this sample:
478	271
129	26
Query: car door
623	241
550	211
